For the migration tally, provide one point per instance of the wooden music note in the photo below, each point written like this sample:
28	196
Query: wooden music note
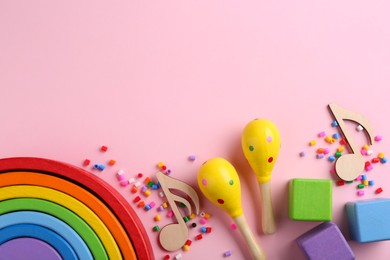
174	236
349	166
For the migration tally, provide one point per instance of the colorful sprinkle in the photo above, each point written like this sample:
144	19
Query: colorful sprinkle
321	134
379	190
204	182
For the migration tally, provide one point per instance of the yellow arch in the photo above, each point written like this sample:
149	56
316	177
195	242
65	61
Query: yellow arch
28	191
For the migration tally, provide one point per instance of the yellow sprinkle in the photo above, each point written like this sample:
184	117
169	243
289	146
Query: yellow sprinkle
312	142
207	215
330	139
192	216
381	155
147	193
365	182
341	149
186	248
165	205
366	147
157	218
160	164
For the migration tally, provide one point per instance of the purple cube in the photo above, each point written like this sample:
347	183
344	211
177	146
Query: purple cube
325	242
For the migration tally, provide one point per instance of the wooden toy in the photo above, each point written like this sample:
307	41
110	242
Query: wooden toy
325	242
84	196
116	203
26	191
261	143
28	248
82	228
49	222
173	236
219	182
350	166
41	233
369	220
310	200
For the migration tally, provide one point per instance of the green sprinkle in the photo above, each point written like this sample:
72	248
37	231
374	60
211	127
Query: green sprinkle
338	154
156	228
360	186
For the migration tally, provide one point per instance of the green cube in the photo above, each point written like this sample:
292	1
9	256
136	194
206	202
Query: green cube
310	200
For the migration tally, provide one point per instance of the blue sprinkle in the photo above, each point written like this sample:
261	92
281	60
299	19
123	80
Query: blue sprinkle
336	136
331	158
334	123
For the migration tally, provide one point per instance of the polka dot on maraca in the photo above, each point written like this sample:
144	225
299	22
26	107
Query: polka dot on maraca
231	182
251	148
204	182
269	139
221	201
270	159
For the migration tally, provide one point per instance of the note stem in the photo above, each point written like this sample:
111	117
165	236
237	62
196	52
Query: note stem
267	213
255	249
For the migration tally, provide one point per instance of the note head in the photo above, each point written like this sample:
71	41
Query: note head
349	166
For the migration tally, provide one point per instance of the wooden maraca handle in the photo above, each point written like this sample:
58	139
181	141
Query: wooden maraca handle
267	213
256	251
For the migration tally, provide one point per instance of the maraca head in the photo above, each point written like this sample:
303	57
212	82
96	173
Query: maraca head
261	144
219	182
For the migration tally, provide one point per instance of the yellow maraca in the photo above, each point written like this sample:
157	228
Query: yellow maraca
261	144
219	182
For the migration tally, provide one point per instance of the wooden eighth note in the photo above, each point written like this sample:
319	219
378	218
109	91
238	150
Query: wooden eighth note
350	166
174	236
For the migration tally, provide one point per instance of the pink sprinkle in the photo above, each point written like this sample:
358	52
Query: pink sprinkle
321	134
152	204
120	177
203	221
326	151
170	213
378	138
363	151
369	168
124	183
359	178
360	193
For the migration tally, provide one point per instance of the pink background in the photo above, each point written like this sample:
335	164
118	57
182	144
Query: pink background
161	80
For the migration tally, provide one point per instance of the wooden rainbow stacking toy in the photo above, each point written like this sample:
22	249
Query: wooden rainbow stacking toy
69	212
